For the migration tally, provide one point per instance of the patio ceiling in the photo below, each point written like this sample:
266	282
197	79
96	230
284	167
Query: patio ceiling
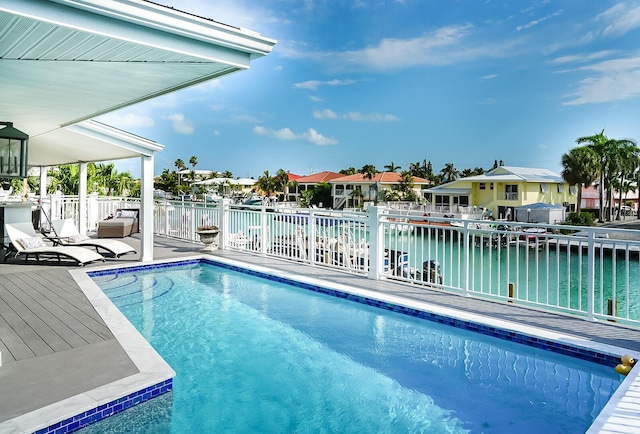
63	62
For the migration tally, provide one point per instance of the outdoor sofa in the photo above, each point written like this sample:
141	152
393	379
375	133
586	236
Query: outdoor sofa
123	224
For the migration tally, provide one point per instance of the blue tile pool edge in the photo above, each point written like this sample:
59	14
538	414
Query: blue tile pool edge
109	409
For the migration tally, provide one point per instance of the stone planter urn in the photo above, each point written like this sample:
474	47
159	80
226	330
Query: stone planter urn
208	237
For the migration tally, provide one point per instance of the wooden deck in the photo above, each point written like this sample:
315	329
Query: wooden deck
54	345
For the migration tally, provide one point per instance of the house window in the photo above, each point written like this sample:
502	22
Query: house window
544	187
560	188
573	189
511	192
483	186
491	186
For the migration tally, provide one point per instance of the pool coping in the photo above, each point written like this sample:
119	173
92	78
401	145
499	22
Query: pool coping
619	414
153	379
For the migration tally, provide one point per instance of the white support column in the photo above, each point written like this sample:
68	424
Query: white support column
146	211
82	199
43	195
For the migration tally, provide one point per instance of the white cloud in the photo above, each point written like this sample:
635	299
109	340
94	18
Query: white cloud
315	137
371	117
180	123
286	134
444	46
315	98
582	58
610	80
355	116
325	114
619	19
245	118
315	84
538	21
489	76
216	132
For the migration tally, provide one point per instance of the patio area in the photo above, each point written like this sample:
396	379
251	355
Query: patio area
55	345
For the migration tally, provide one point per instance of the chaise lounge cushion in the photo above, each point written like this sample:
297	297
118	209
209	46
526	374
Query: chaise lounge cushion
32	243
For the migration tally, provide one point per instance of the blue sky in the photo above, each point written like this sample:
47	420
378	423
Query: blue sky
358	82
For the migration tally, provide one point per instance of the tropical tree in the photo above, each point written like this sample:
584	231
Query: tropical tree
266	184
357	196
449	172
391	167
624	165
580	167
226	174
349	171
368	171
193	161
281	182
608	151
406	186
179	163
64	179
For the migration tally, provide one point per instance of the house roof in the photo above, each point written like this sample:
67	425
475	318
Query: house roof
513	173
65	62
380	177
316	178
500	174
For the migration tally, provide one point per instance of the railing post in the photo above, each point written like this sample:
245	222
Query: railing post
264	230
376	242
223	223
92	211
591	271
311	223
465	259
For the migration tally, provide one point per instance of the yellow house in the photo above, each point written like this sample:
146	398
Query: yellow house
503	189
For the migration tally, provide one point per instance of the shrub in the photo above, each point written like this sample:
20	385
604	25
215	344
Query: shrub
584	219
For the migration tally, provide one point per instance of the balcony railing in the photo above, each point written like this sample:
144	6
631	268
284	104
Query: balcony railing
591	272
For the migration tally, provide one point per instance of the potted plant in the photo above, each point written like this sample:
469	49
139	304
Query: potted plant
208	235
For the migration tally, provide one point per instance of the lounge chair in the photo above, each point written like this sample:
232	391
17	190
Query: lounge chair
123	224
26	242
67	234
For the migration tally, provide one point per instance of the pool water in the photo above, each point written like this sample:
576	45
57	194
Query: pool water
256	355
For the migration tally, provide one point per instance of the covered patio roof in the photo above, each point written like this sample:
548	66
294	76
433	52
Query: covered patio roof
65	62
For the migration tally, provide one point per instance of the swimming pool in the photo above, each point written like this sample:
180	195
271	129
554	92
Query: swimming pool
256	355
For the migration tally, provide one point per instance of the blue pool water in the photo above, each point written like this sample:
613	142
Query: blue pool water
256	355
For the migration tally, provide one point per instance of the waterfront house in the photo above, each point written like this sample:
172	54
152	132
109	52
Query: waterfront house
372	189
503	189
308	182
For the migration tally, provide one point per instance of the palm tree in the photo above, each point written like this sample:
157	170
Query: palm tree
179	163
369	171
266	184
624	165
606	149
391	167
193	161
357	195
449	172
281	182
580	167
349	171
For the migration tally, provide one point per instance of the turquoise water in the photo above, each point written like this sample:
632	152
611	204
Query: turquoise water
549	275
254	355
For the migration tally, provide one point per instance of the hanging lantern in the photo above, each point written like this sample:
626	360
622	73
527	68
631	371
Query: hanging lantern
13	152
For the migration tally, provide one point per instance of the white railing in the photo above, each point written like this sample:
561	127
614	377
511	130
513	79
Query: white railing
591	272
